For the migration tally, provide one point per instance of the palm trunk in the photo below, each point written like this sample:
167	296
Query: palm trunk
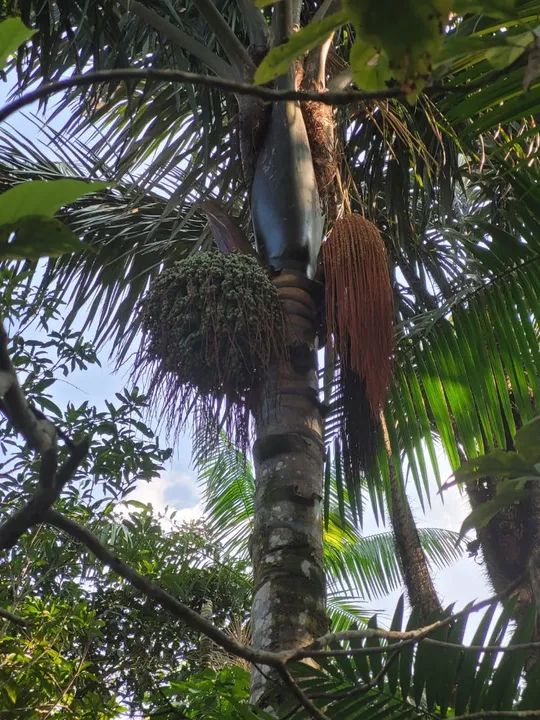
510	545
289	584
420	588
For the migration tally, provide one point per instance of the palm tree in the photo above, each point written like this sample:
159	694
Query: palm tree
450	182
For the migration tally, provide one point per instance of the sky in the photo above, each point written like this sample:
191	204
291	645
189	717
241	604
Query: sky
177	486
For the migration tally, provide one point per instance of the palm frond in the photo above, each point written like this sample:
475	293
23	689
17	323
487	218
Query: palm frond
376	681
130	235
470	378
467	370
358	567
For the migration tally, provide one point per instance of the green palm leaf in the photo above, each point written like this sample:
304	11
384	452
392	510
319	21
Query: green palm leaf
432	681
358	567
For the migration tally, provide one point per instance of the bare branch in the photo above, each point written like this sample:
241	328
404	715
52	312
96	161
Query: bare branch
16	619
337	98
181	76
178	37
404	638
336	652
232	47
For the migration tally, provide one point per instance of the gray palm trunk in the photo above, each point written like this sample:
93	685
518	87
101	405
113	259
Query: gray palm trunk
416	575
289	582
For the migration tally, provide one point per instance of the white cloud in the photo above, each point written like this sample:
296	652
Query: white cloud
152	492
157	493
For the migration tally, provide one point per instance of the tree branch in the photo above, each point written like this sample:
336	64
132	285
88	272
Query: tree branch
330	97
178	37
39	433
181	76
237	54
16	619
156	593
51	485
407	637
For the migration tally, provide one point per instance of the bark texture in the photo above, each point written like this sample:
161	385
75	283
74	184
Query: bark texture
412	559
510	541
510	545
289	585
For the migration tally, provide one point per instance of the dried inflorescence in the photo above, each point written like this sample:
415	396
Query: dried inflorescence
359	319
212	326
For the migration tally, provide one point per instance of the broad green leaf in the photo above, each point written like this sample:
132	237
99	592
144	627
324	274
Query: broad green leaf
508	492
43	197
370	67
35	236
527	441
11	691
13	33
515	47
532	71
475	47
279	58
499	463
396	41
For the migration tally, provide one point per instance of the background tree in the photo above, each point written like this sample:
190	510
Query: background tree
83	643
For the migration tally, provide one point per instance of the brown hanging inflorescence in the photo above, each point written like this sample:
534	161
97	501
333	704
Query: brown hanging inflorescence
359	319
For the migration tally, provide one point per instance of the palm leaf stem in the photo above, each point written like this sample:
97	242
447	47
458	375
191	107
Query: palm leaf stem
178	37
243	66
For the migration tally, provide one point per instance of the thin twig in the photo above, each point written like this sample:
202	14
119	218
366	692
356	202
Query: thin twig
407	637
300	695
